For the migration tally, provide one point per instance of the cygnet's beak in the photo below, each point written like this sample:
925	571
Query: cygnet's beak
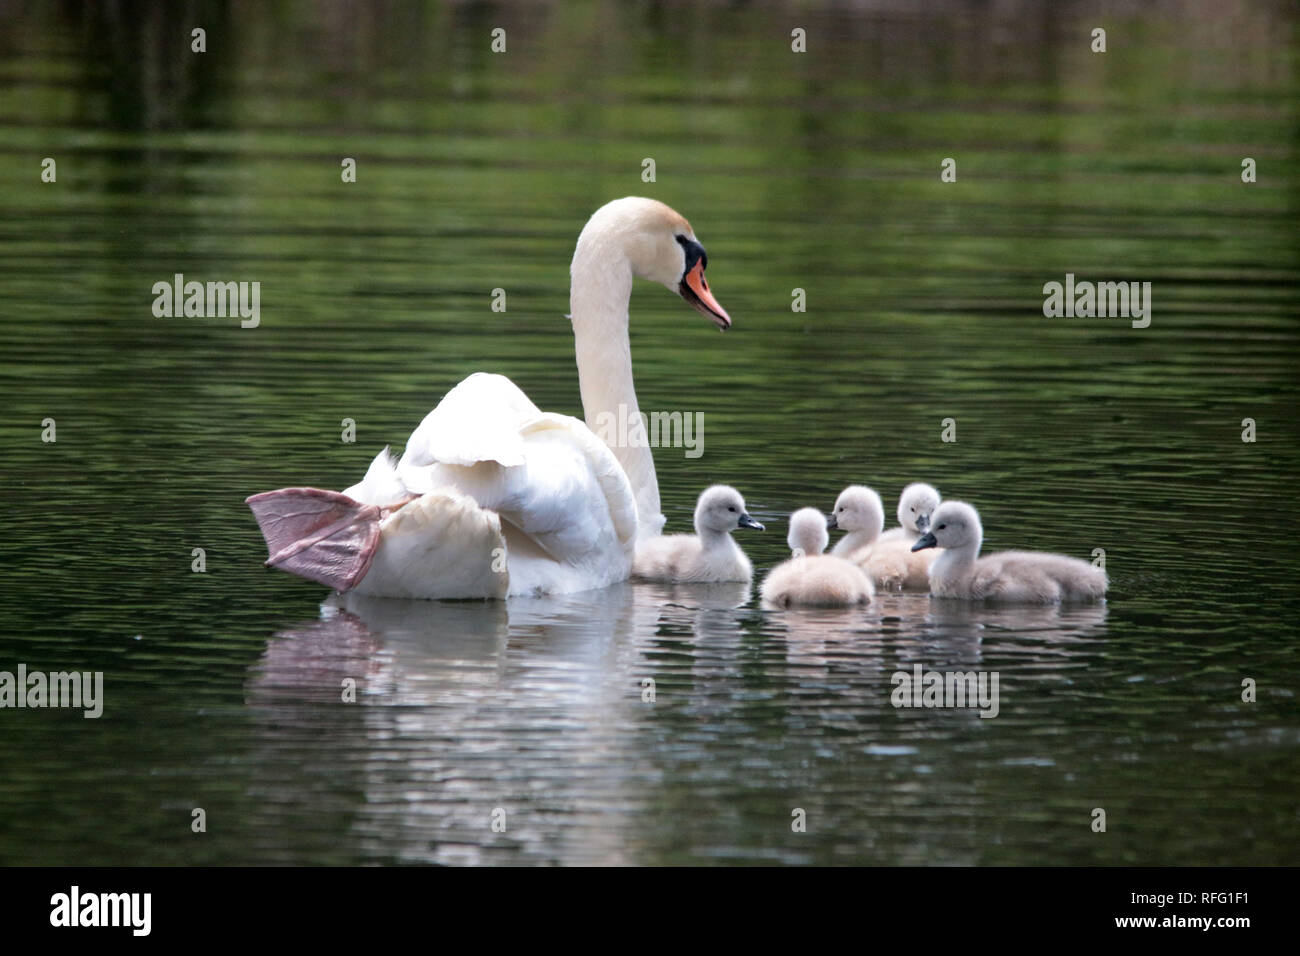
923	523
747	522
926	540
694	289
831	524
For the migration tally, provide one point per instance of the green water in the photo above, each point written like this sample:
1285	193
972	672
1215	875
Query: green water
818	171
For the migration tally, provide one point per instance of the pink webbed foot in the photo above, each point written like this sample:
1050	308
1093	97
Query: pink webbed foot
322	536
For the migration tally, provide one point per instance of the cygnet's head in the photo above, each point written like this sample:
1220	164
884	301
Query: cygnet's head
858	508
808	532
915	506
954	524
659	245
721	508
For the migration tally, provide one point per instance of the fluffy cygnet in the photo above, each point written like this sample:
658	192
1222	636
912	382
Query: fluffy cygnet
859	511
1013	577
889	562
915	505
811	578
708	555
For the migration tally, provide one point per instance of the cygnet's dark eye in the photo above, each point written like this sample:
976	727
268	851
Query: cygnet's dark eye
913	511
731	507
942	526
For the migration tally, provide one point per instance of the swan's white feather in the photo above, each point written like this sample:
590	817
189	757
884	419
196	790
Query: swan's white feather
439	545
380	486
564	509
478	420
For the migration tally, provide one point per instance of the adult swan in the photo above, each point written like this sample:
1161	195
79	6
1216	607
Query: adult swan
493	497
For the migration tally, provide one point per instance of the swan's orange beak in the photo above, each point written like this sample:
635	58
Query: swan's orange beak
695	290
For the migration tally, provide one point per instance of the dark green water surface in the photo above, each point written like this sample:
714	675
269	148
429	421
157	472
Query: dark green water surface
818	171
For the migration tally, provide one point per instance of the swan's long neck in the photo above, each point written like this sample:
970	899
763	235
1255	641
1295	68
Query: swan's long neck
598	300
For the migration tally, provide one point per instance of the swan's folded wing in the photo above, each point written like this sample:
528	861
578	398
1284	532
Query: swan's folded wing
322	536
614	487
567	510
566	507
478	420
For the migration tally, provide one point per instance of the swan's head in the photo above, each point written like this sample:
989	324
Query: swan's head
659	245
858	508
916	504
808	533
954	524
721	508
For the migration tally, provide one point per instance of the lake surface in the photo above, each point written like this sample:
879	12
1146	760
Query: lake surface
818	171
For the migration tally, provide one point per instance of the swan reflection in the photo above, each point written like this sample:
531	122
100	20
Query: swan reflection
572	715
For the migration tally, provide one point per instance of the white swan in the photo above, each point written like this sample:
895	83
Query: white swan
493	497
811	578
1013	577
887	558
709	555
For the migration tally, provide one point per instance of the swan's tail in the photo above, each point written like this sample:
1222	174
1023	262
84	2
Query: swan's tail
380	486
322	536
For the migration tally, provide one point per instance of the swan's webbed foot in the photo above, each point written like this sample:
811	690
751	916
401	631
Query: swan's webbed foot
323	536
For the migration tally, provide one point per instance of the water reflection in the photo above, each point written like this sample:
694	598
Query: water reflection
818	172
1053	620
547	709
